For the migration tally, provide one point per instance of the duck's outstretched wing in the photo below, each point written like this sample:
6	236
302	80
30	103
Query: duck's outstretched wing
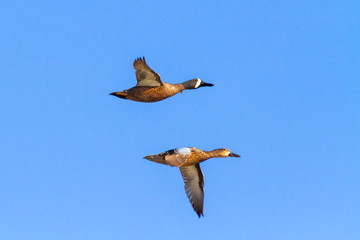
194	186
145	76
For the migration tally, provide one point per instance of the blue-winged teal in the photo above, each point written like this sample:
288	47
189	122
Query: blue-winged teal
188	160
150	88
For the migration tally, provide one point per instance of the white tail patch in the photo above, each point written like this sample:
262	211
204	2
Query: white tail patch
198	83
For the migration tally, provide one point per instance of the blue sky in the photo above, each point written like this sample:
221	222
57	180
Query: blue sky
286	98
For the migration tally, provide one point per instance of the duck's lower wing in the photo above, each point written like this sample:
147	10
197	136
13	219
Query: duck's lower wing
194	186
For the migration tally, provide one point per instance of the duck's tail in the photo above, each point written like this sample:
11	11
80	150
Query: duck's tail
156	158
122	94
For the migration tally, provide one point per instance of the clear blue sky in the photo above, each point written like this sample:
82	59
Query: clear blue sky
286	98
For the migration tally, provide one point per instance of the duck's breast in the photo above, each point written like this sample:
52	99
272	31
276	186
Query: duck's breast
196	156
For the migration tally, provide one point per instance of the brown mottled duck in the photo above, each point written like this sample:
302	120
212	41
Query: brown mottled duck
188	160
150	88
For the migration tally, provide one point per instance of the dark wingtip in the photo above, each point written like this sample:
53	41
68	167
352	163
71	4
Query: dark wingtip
140	59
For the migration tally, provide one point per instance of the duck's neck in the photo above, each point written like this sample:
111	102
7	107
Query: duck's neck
180	86
188	84
174	88
214	154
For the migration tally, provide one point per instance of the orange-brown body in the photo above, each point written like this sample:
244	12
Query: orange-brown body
151	94
188	160
150	88
196	156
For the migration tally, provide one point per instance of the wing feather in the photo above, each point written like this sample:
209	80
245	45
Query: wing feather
194	186
145	76
177	157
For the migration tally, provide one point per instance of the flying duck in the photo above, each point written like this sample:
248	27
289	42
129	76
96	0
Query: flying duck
150	88
188	160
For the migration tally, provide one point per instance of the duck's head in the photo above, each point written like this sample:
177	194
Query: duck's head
223	152
196	83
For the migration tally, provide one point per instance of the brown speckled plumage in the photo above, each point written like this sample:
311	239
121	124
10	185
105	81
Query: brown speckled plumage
150	88
188	160
152	94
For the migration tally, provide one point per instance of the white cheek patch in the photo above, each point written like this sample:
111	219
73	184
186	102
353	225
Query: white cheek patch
198	83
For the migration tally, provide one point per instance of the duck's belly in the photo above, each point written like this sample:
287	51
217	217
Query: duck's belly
150	94
198	157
